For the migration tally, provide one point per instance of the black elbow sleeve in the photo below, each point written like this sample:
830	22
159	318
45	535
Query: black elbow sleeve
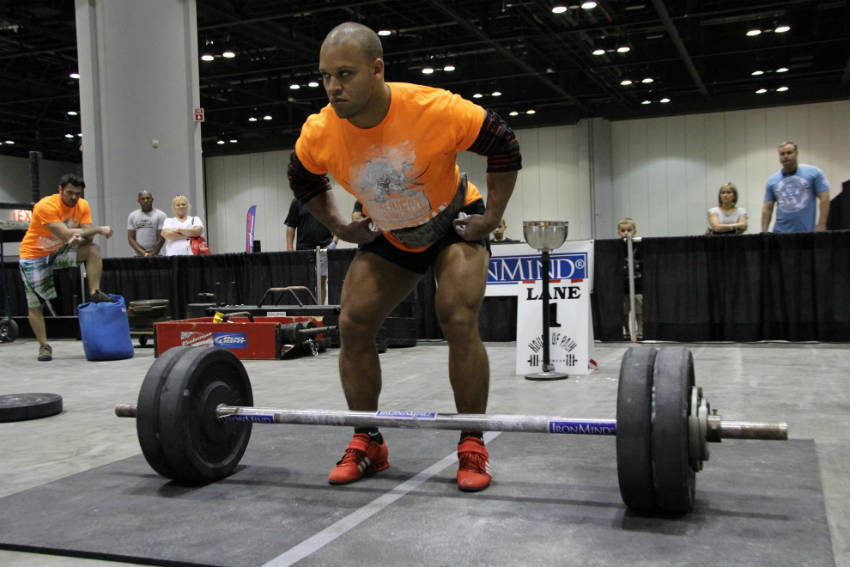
304	184
498	142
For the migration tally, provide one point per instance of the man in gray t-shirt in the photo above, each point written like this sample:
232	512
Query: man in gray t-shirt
144	227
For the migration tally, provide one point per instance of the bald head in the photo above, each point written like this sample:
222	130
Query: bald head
363	37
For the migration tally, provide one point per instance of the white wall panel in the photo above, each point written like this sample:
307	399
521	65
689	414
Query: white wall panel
698	153
665	173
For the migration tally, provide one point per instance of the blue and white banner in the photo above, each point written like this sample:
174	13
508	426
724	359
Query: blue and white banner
512	264
516	269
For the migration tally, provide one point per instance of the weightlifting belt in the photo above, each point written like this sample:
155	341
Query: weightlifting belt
434	229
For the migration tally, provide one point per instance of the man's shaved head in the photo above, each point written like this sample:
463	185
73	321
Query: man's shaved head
351	32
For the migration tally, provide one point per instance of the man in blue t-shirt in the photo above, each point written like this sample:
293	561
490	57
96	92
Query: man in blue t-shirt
795	188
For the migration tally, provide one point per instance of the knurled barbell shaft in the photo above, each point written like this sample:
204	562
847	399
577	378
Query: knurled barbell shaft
465	422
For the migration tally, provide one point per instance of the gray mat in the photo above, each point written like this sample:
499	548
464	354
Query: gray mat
554	502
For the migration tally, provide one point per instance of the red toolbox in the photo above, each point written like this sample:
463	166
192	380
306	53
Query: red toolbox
262	338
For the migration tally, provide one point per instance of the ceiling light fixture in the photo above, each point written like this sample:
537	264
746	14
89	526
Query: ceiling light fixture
72	113
267	117
449	68
74	75
496	93
513	113
782	70
207	57
761	91
757	72
647	80
69	136
531	111
313	84
753	33
79	134
233	141
252	119
589	5
427	70
624	49
220	142
664	100
477	95
782	89
385	32
10	142
228	54
599	51
294	86
626	82
646	102
559	9
782	29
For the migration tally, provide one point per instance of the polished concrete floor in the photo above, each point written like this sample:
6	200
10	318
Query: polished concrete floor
807	385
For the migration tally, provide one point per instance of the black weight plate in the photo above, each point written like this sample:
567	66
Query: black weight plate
8	330
634	429
674	478
197	446
19	407
147	410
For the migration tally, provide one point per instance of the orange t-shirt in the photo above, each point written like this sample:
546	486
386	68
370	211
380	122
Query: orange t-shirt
404	170
39	241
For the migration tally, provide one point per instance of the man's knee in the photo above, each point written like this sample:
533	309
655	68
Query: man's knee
357	328
459	322
88	252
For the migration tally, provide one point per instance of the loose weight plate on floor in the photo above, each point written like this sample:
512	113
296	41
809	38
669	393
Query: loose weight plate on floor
19	407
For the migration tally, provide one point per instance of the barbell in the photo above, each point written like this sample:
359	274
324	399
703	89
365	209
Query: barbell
194	419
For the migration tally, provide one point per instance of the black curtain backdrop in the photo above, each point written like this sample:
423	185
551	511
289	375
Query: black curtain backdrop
742	288
768	286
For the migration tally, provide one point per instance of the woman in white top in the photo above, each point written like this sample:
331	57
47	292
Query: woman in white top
727	217
176	230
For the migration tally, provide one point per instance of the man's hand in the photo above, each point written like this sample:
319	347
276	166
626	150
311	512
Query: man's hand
361	231
473	227
106	231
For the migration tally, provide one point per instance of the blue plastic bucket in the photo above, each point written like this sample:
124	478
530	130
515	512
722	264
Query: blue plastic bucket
105	330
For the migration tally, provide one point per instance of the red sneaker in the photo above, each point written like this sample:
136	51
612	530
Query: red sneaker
473	472
362	457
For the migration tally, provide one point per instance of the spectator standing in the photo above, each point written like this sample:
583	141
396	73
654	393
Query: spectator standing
59	236
144	227
626	227
727	217
794	189
306	233
178	229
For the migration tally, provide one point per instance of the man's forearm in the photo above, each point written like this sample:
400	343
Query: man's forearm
158	246
323	207
500	186
766	213
823	212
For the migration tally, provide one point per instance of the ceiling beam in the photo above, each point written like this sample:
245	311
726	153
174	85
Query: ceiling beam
680	46
474	31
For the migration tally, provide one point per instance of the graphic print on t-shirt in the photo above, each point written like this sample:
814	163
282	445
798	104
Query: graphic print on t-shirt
792	194
391	188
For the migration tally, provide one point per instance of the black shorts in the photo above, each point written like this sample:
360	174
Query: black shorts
419	262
